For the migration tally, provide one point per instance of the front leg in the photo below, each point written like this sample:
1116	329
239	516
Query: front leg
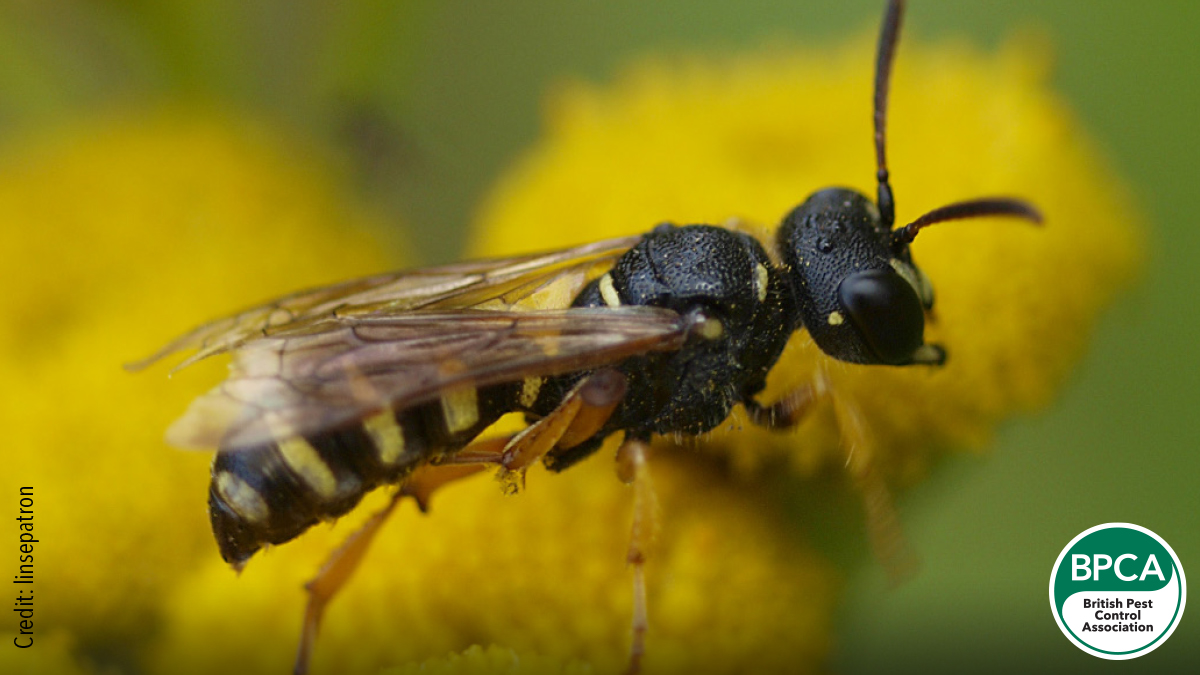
883	525
785	413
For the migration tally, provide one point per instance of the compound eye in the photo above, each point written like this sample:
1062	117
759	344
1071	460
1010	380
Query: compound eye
887	313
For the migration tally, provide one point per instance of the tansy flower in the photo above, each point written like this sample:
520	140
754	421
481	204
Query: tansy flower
537	581
118	233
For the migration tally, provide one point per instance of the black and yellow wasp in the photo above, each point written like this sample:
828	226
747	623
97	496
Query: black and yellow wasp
388	380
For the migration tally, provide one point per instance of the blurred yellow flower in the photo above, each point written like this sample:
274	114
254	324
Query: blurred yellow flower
118	233
492	661
697	141
54	654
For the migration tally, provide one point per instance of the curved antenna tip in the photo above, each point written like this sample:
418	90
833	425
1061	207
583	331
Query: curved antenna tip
972	208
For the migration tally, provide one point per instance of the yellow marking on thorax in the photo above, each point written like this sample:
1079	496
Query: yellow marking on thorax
242	498
709	329
387	436
530	388
761	278
460	409
557	293
836	319
609	292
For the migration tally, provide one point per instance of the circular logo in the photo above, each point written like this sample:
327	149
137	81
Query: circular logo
1117	591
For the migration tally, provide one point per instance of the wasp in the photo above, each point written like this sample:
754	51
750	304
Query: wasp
389	380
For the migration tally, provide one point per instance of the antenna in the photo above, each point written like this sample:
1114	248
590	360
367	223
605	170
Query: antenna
972	208
889	34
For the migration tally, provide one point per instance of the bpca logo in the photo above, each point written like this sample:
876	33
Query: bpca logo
1117	591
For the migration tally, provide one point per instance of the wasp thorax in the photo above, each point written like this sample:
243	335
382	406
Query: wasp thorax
845	275
738	315
691	267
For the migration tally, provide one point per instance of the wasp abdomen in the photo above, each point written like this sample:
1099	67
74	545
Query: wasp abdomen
272	493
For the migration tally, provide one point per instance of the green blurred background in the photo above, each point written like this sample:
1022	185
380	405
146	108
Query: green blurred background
424	103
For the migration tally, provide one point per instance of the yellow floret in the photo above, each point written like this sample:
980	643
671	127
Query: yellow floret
697	141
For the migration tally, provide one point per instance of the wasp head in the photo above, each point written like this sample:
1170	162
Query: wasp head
857	290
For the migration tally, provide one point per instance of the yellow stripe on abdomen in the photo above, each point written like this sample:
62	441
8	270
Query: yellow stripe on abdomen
460	409
303	459
241	497
387	436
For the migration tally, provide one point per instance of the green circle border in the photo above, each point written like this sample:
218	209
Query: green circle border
1148	647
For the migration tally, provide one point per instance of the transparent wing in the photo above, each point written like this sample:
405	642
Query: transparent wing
328	375
323	358
545	279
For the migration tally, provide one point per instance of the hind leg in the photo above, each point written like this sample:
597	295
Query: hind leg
633	469
579	417
343	562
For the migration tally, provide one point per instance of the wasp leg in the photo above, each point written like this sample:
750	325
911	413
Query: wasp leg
478	455
472	459
582	413
343	562
600	394
334	574
632	469
785	413
883	526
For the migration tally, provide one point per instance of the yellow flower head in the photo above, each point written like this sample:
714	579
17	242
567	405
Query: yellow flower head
118	233
693	141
